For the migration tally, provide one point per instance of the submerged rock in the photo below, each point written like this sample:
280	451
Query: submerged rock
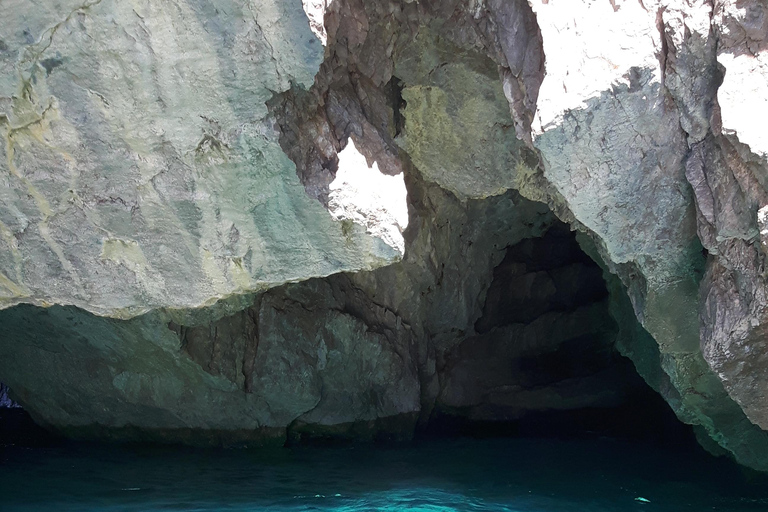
176	193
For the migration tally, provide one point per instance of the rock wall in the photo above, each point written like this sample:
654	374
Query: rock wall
140	165
192	158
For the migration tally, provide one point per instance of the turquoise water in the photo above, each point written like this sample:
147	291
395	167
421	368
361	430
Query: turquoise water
466	475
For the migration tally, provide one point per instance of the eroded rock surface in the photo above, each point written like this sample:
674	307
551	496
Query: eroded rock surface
315	358
728	172
140	165
620	148
636	123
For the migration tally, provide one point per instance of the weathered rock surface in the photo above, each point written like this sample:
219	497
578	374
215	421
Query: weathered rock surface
234	377
622	162
729	173
147	170
302	359
140	165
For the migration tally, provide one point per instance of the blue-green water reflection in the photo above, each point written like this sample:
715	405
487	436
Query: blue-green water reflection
505	475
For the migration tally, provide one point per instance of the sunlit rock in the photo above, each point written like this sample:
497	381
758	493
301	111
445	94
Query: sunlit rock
743	95
617	122
315	10
140	167
363	195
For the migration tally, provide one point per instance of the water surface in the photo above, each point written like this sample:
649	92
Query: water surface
531	475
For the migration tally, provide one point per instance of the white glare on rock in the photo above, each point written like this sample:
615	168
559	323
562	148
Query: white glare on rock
367	197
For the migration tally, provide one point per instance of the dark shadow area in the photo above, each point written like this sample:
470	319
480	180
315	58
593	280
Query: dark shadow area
644	417
540	275
544	361
17	428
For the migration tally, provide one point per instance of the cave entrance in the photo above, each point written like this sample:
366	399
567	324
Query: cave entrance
543	361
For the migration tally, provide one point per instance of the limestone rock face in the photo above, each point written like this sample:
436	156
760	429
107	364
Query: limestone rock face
140	165
729	172
321	357
158	159
243	377
635	129
456	104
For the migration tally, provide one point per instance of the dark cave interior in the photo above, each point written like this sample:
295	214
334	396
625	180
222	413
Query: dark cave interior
544	360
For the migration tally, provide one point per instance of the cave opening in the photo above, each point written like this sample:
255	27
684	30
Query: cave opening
544	360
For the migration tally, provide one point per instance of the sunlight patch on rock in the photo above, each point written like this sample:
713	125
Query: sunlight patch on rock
364	195
315	10
743	99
